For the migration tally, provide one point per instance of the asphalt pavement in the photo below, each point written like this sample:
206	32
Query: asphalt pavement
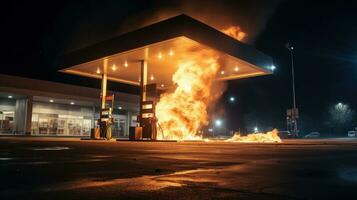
62	168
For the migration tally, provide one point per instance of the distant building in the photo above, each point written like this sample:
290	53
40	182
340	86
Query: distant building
36	107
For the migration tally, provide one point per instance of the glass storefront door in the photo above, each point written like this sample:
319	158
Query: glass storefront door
118	128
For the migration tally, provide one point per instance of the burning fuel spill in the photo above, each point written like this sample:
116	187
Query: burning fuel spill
269	137
182	112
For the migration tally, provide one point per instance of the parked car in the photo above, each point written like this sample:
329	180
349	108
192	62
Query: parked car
351	133
313	135
285	134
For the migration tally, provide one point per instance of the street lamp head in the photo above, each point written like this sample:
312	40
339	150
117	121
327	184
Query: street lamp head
272	67
218	122
255	129
232	99
289	47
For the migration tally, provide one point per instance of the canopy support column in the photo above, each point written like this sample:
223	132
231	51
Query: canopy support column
143	83
104	83
106	118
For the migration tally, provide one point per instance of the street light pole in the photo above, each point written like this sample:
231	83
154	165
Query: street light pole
293	75
294	113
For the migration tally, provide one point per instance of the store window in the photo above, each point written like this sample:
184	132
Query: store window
61	120
7	121
7	116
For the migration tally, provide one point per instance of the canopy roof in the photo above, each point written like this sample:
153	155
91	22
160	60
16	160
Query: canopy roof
164	46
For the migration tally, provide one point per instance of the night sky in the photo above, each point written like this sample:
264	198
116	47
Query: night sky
34	34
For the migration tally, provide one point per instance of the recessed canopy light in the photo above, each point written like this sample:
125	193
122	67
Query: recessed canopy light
10	97
159	55
236	69
120	108
51	100
114	67
171	53
72	103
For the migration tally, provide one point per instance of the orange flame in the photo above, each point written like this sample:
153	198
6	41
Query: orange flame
235	32
181	113
269	137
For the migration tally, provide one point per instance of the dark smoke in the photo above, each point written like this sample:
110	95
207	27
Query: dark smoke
83	24
251	16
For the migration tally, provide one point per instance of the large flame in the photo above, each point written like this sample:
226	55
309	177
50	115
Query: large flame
181	113
269	137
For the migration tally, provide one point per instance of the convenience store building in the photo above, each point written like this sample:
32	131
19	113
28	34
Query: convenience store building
43	108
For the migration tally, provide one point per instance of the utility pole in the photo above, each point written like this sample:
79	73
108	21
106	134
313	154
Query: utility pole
293	114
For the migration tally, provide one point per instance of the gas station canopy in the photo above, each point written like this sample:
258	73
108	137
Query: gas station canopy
163	45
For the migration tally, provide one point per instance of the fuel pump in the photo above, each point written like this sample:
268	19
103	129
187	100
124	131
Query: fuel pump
106	121
106	118
148	120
